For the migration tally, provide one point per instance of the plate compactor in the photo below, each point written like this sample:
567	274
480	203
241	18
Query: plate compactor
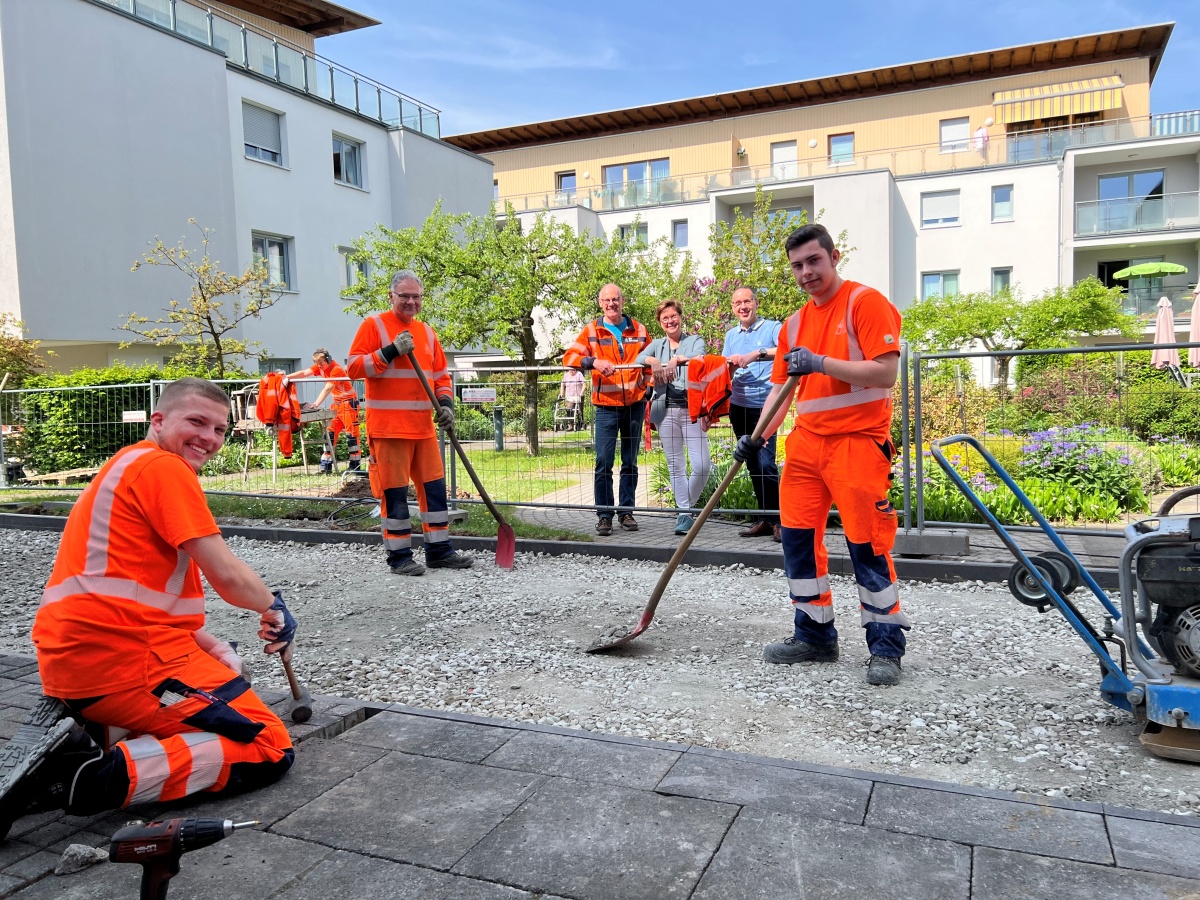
1156	630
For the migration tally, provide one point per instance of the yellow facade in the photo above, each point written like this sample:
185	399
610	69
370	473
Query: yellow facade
899	131
293	36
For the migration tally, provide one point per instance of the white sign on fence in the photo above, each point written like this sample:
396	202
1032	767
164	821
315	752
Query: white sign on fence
133	415
479	395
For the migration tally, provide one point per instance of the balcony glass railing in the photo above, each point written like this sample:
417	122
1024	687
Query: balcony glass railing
1002	150
1136	214
1142	301
271	57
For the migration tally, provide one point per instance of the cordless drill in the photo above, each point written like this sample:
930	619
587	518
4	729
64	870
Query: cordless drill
157	846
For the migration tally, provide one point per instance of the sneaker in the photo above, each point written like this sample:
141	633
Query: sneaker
604	525
758	529
628	522
883	670
409	567
39	763
683	523
456	559
794	650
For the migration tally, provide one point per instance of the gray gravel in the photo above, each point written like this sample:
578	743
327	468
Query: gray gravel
994	694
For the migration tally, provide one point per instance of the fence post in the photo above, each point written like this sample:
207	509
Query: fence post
905	443
3	455
498	427
918	440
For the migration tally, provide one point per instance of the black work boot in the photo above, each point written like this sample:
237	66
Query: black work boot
883	670
454	560
39	765
794	650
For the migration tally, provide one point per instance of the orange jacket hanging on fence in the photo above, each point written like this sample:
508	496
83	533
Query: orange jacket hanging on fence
279	408
623	387
397	405
709	387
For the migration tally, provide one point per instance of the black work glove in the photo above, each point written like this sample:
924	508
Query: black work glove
277	627
445	414
803	361
747	448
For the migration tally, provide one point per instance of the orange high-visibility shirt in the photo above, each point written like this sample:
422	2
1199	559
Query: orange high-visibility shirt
342	388
858	323
123	597
625	386
709	387
397	405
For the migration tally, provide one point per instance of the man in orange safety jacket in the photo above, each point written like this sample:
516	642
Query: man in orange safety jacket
846	345
345	408
400	431
612	340
121	644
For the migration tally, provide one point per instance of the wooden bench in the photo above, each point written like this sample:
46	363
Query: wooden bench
63	478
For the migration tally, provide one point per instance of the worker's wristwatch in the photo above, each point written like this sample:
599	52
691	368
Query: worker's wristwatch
762	354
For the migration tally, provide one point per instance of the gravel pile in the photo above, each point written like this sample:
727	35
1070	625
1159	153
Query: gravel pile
994	694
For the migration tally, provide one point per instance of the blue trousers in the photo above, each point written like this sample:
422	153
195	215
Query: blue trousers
613	422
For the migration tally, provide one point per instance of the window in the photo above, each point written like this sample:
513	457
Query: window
351	270
939	284
841	149
1131	201
347	161
783	160
631	184
679	233
278	364
939	208
1001	279
955	134
262	134
635	235
1002	203
495	190
273	252
564	184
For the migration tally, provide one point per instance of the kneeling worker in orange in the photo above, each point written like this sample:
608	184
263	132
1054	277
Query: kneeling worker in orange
400	431
121	645
845	343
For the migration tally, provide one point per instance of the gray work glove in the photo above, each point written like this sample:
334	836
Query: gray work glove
445	414
403	343
803	361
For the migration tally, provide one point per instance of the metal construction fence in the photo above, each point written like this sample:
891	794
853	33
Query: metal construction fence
1096	436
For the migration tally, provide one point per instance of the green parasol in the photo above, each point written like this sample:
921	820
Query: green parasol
1145	270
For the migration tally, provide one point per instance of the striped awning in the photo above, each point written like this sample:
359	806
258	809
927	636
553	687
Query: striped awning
1049	101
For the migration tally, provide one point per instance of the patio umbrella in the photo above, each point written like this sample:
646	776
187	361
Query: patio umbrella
1164	333
1194	332
1145	270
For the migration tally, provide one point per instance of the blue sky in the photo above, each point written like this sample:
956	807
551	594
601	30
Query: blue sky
507	62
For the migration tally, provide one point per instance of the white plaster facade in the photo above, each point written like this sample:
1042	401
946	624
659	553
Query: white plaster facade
142	131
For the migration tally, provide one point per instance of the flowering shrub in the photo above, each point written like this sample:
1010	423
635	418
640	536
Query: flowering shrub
1076	457
1178	459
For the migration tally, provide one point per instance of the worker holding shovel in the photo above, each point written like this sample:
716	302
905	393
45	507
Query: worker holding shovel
400	429
845	348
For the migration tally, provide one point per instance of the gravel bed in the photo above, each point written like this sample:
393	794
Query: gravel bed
994	694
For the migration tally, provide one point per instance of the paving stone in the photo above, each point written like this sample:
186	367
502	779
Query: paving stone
30	824
51	836
784	856
248	865
1006	824
584	759
8	883
587	840
1155	847
412	809
33	866
12	851
363	878
770	787
318	767
1006	875
424	736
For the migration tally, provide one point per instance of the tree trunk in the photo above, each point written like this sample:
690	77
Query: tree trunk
529	358
1002	364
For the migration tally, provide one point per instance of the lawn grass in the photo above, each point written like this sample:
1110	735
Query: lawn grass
514	475
479	523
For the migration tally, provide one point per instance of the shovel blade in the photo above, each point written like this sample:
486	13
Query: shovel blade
617	635
506	546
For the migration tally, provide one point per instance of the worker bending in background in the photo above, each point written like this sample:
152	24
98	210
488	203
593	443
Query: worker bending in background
403	443
345	408
845	343
121	642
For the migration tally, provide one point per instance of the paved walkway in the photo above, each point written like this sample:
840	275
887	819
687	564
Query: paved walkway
393	802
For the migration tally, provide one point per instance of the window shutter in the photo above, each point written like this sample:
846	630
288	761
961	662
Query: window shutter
941	206
261	128
955	132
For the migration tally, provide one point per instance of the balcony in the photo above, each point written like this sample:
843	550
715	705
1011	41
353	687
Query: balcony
1143	302
1137	215
273	58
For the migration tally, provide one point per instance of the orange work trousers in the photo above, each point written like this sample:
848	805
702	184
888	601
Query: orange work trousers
394	463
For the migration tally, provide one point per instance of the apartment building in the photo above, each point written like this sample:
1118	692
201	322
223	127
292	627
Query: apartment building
1027	166
122	119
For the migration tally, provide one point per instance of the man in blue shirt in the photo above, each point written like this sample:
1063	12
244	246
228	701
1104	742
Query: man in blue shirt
750	348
